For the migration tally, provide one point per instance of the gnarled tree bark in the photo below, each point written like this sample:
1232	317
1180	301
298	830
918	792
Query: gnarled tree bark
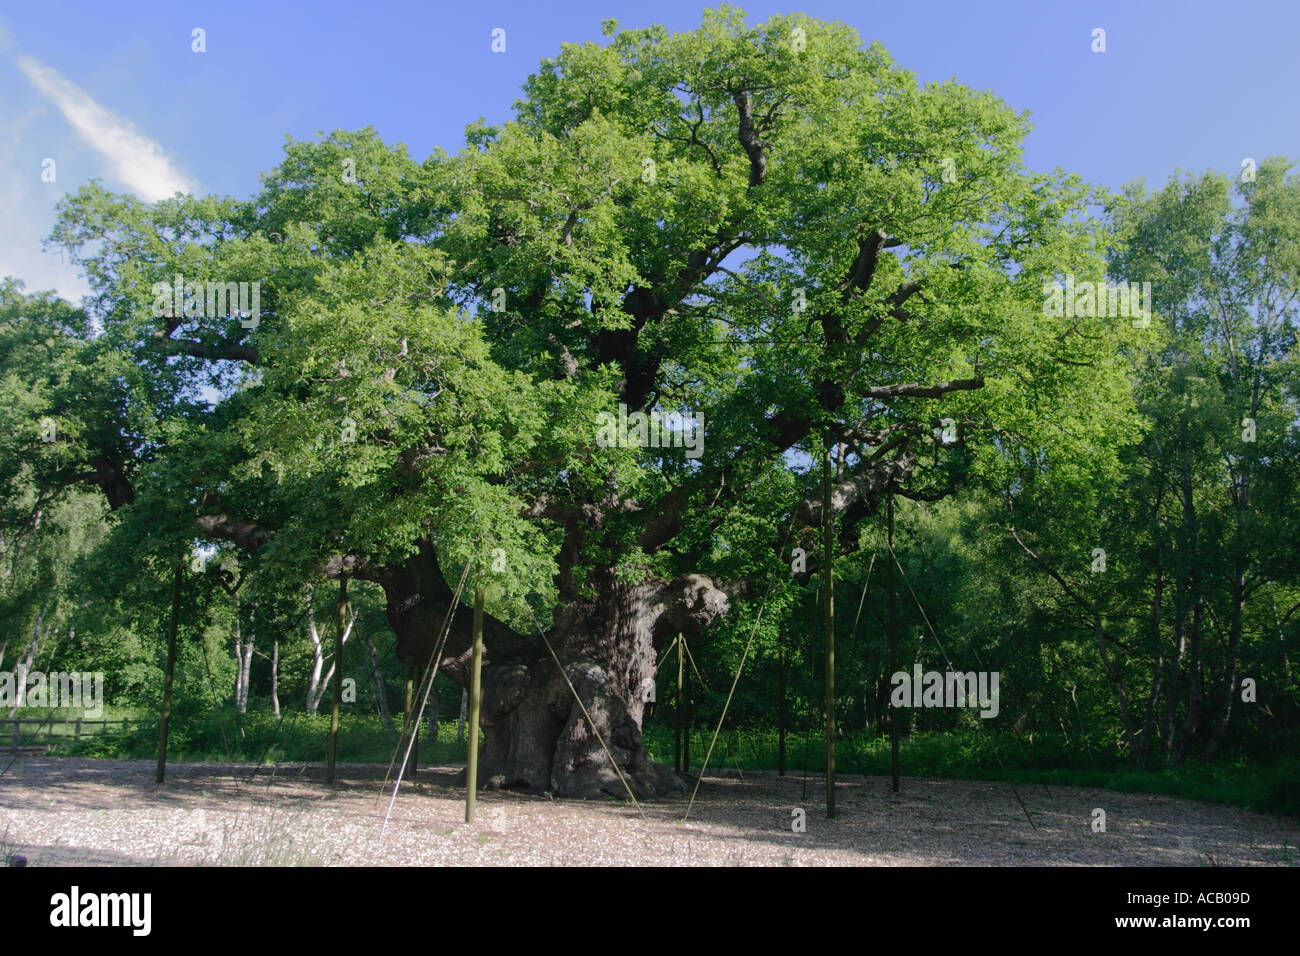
536	734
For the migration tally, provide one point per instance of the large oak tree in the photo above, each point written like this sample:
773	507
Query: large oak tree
769	225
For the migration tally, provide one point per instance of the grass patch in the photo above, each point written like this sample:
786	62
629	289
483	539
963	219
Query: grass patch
966	755
258	736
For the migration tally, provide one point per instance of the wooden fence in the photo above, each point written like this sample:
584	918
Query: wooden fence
44	731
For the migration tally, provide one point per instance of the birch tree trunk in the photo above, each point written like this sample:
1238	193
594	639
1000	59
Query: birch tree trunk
246	667
25	663
275	679
320	678
243	662
239	659
314	686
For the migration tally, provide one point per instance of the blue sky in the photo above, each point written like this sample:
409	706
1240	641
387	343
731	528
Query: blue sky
114	91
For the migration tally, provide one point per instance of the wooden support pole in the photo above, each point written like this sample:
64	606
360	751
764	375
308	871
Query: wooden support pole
408	716
828	579
677	731
341	615
169	673
409	730
780	703
406	705
415	722
893	647
475	688
686	710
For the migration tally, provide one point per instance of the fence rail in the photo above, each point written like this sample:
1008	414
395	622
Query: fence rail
50	731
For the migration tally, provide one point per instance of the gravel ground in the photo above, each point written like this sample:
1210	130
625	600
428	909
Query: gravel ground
62	811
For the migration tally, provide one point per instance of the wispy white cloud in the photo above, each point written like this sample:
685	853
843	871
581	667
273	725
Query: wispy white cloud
29	208
134	159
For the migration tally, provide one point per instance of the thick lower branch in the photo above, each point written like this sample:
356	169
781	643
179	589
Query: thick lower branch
856	489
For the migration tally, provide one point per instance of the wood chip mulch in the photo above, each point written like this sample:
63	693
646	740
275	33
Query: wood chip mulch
72	811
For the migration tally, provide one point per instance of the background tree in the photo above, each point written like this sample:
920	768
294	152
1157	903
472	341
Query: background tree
1199	527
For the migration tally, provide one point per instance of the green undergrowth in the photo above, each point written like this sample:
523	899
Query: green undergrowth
1271	788
258	737
963	755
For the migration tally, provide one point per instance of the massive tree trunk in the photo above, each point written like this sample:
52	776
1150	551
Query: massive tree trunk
606	636
536	734
548	721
